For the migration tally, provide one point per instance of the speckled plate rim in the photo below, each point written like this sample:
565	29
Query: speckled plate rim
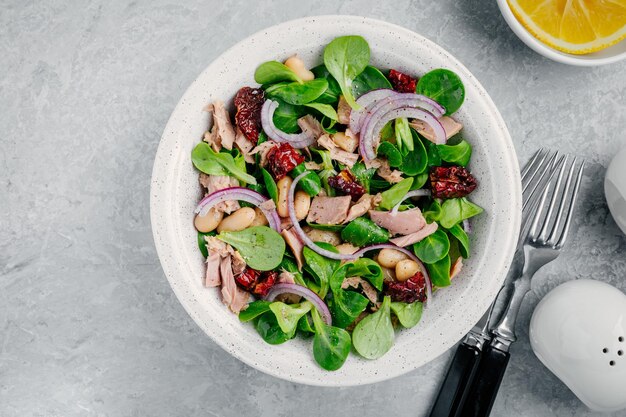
455	310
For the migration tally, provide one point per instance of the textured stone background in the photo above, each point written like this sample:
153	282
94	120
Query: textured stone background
88	323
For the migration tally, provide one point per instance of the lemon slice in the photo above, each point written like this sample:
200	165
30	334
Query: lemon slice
573	26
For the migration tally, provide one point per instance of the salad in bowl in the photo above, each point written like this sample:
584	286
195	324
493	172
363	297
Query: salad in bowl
336	200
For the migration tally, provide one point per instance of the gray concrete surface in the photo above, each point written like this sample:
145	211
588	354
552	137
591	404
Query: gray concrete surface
88	323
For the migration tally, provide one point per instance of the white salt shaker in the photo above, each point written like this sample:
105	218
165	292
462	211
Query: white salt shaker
578	331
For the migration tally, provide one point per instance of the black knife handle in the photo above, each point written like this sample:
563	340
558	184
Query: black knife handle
454	390
484	389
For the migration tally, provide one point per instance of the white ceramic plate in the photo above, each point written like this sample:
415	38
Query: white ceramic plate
175	193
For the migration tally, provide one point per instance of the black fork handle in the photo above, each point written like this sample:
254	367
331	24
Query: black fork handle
455	387
484	389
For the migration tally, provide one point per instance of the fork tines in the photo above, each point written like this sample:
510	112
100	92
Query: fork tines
536	175
552	220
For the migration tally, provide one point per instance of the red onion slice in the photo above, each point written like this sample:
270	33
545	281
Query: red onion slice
285	288
239	194
370	134
303	236
414	193
420	102
408	100
411	255
367	101
297	140
375	100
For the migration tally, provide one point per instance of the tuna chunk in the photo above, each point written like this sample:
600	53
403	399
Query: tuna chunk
204	180
374	163
215	183
212	276
366	202
238	263
235	298
412	238
245	146
210	137
401	223
285	223
368	289
343	111
294	243
263	150
223	264
389	175
222	133
214	245
309	124
219	182
451	126
286	277
456	267
329	210
346	158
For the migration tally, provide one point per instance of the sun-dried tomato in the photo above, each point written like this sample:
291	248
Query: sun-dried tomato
256	282
248	278
346	182
409	291
451	182
282	158
402	83
267	281
248	102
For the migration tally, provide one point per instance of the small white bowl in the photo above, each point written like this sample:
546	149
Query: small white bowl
609	55
175	192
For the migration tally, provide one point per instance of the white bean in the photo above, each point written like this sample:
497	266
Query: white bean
405	269
326	236
346	249
301	204
283	185
389	258
208	222
238	220
259	218
297	66
345	142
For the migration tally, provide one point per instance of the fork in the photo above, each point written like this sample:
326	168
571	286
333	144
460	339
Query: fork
546	237
535	177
